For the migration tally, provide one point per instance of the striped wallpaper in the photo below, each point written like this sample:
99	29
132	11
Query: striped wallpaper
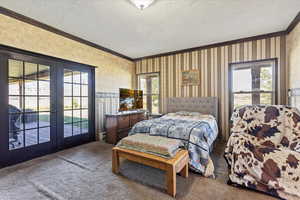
213	64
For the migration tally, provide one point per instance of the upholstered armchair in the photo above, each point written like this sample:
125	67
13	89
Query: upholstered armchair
263	151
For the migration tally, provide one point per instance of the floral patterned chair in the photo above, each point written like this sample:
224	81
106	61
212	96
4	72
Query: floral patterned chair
263	151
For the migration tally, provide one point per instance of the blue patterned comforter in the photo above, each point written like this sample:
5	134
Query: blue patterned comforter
197	136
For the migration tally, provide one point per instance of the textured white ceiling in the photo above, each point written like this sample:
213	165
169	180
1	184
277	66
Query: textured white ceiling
167	25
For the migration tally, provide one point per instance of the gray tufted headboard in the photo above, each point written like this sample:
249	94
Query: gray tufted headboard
205	105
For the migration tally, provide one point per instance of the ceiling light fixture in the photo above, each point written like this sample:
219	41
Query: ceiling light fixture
142	4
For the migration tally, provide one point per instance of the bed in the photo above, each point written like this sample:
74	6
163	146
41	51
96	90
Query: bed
194	122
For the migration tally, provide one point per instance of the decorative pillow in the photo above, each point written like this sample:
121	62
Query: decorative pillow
157	145
193	116
183	113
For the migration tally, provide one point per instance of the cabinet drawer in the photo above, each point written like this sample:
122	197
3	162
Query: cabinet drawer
134	121
122	134
140	117
111	136
136	118
123	122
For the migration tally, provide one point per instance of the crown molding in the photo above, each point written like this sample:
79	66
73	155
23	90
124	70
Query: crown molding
11	50
293	23
44	26
214	45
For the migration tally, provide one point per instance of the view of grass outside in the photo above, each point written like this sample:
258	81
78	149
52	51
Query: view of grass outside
67	119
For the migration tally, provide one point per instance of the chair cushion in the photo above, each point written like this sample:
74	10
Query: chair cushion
157	145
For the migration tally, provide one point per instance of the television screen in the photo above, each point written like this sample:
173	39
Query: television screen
130	99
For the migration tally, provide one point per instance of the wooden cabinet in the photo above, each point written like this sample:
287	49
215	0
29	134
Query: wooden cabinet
118	125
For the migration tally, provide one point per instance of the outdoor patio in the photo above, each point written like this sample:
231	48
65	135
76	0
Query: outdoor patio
33	137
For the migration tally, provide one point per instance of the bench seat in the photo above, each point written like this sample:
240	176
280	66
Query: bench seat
172	166
157	145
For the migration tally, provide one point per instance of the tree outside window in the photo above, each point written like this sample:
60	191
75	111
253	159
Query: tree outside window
149	83
253	83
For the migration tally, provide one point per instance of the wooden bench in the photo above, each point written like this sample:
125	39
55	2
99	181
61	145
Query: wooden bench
178	164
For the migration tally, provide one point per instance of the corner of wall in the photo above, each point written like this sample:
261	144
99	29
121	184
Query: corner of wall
293	58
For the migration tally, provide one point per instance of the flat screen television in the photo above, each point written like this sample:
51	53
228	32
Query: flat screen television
130	99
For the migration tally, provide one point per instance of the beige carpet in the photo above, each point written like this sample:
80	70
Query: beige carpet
84	173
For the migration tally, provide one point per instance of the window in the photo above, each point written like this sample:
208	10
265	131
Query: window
294	97
29	104
76	99
253	83
149	83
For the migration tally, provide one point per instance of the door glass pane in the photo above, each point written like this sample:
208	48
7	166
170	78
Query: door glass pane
145	101
30	104
242	80
27	104
67	103
44	135
15	68
85	90
67	76
15	104
44	119
75	102
30	120
15	86
31	70
68	130
85	115
84	127
149	84
44	104
76	128
68	89
16	140
67	116
15	124
155	85
84	102
44	88
84	77
143	85
44	72
76	77
242	99
76	116
76	90
31	137
30	87
155	103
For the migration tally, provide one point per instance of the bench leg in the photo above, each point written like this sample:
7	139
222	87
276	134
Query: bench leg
171	181
185	171
115	162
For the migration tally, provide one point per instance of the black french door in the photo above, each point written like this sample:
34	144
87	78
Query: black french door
76	111
46	105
